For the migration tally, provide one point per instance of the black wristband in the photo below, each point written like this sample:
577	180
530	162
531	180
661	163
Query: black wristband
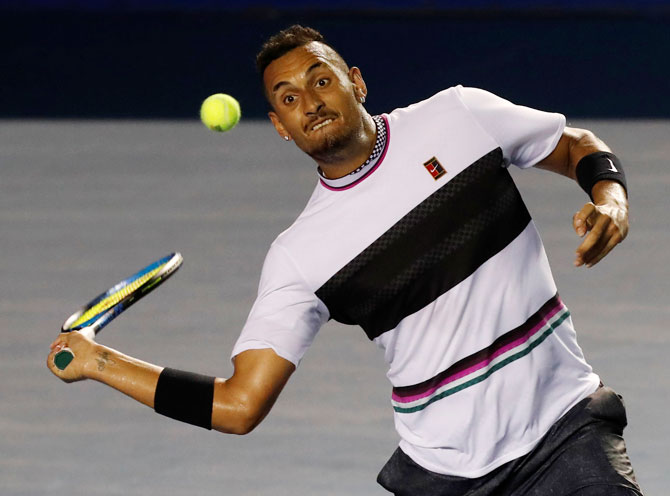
185	396
598	166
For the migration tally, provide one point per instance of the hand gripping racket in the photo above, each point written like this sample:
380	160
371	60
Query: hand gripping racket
104	308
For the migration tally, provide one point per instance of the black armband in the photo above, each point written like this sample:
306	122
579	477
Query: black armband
185	396
598	166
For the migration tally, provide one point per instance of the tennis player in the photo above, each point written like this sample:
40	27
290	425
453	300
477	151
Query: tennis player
416	233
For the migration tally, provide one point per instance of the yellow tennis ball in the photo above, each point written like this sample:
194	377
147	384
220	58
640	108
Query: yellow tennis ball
220	112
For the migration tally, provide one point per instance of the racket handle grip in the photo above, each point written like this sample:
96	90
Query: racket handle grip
63	358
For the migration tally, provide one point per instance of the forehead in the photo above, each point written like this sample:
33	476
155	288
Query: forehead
295	64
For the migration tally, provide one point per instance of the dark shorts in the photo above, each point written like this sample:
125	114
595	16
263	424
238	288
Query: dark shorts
583	454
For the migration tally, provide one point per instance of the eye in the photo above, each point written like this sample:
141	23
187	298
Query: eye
289	99
322	82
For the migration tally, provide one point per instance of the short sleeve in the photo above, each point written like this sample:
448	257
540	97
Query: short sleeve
286	314
525	135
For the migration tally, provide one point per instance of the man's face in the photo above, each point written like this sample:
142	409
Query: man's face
315	100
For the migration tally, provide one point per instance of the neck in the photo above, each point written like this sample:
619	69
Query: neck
350	158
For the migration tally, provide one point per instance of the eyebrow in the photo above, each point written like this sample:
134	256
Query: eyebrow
315	65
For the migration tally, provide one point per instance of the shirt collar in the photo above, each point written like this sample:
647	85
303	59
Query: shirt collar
369	166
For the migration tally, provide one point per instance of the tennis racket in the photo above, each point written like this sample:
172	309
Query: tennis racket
101	310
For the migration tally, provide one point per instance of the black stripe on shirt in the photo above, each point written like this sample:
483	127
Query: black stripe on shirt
438	244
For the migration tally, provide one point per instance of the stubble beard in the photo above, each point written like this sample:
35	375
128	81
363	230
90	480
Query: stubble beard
335	148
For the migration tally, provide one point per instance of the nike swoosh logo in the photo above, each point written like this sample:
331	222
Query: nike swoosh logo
612	168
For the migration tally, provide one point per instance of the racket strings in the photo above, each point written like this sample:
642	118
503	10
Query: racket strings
111	300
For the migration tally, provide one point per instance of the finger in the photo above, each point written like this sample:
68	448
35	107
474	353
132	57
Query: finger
609	240
613	239
594	237
67	374
589	257
580	219
57	346
50	362
55	343
602	254
594	240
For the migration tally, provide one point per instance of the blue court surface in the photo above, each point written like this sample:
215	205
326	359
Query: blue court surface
84	204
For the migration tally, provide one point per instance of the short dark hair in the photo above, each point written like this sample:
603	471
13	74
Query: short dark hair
283	42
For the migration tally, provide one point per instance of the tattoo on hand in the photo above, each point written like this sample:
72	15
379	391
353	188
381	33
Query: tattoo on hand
103	360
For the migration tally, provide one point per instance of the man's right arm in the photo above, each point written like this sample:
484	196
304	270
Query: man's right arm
240	402
243	401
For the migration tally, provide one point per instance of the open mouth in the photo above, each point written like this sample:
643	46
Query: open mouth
322	124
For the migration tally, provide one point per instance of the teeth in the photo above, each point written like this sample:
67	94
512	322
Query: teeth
324	123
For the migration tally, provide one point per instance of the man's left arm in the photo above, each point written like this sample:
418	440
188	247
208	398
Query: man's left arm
603	223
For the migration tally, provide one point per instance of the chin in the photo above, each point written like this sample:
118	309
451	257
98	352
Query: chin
332	146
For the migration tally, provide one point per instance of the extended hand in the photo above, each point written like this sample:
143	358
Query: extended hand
606	225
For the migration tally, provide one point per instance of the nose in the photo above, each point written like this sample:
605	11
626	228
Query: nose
312	104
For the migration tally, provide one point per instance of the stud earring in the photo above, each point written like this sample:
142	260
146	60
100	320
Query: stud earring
362	99
287	138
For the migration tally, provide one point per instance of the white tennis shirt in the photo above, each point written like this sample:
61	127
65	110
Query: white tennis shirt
430	249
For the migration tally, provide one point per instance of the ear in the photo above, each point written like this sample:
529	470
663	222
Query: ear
279	126
360	88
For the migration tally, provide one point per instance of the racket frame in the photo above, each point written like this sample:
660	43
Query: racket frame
97	322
